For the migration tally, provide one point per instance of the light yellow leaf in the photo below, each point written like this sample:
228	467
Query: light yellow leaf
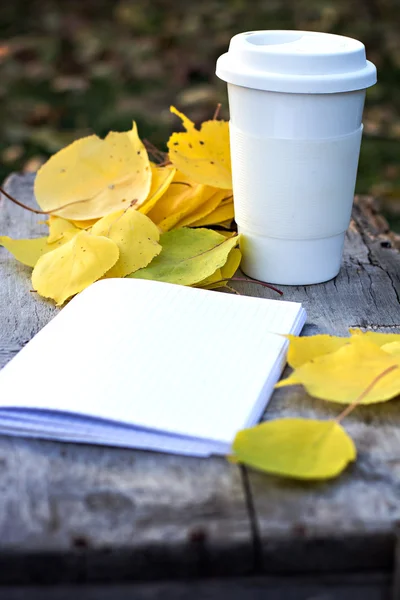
223	213
203	155
303	349
25	251
98	176
84	224
376	337
188	256
136	237
297	448
342	376
392	348
161	178
182	197
203	209
221	277
72	267
60	229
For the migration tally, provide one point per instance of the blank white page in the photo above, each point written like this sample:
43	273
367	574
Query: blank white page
158	356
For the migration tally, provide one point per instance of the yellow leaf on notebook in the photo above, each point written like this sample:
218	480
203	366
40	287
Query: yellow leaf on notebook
297	448
202	154
188	256
136	237
161	178
73	266
97	176
25	251
343	375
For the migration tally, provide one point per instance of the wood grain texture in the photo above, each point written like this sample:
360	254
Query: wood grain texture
349	523
370	586
73	513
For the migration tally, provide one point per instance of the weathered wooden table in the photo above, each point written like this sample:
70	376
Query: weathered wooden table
131	524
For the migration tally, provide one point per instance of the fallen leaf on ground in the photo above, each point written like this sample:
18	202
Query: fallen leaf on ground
220	278
98	176
298	448
136	237
202	154
60	229
188	256
73	266
182	197
343	375
204	209
25	251
223	213
161	178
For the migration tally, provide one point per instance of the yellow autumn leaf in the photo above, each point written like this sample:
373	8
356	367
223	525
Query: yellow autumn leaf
202	154
25	251
73	266
161	178
376	337
188	256
343	375
87	224
182	197
97	176
203	209
223	212
136	237
221	277
297	448
60	229
307	348
392	348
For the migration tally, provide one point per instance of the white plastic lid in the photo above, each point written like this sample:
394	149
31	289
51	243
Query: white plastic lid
299	62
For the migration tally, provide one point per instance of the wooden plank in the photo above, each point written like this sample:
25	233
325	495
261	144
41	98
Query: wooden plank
366	586
73	513
346	524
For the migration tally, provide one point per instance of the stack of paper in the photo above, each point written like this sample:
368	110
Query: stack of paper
151	365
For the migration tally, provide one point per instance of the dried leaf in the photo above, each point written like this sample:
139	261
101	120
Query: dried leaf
188	256
100	176
298	448
136	237
203	155
343	375
74	266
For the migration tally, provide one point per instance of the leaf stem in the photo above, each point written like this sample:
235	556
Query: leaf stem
268	285
361	397
216	113
42	212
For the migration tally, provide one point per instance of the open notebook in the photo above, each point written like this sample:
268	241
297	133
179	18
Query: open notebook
151	365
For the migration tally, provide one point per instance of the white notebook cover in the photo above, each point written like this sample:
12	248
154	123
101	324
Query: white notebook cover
144	364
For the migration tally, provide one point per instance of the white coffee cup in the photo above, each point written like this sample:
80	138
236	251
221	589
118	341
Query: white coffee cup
296	100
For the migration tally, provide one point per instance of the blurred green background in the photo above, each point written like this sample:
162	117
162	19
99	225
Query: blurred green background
69	68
